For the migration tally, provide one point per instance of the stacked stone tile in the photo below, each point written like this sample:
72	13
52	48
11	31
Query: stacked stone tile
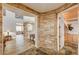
48	31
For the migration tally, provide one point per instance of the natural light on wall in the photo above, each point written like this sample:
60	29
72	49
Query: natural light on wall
29	27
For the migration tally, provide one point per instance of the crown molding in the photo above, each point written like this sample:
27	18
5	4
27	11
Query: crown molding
23	7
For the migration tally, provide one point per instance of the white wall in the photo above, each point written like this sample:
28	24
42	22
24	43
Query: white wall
61	32
9	22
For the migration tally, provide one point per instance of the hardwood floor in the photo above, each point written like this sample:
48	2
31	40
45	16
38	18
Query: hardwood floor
17	45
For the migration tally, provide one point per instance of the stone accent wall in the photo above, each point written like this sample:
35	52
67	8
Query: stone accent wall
0	23
48	31
0	29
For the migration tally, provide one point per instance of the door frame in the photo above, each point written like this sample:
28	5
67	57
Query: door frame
61	13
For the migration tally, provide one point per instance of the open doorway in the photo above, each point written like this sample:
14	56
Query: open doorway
19	30
68	31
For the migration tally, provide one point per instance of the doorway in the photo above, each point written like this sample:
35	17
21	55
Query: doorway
19	31
68	31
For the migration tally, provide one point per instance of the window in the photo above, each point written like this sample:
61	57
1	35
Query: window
19	28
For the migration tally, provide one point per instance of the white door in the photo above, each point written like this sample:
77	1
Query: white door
61	31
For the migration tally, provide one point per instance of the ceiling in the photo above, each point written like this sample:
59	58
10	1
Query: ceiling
18	12
43	7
